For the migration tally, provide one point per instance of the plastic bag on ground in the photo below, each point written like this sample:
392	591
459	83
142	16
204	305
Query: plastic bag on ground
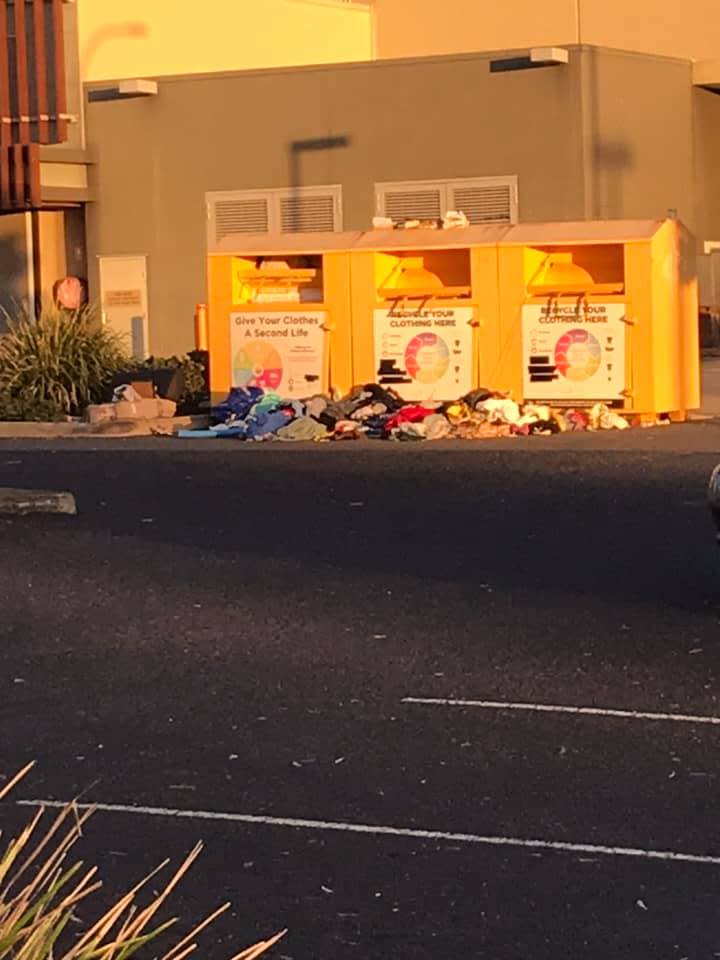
498	410
603	418
437	427
409	431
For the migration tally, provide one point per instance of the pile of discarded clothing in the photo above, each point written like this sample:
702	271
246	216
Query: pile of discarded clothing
483	415
375	413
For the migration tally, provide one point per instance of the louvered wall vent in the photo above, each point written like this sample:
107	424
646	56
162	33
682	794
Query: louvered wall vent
482	199
303	210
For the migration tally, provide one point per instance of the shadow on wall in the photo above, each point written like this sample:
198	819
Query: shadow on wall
14	290
297	149
129	30
611	158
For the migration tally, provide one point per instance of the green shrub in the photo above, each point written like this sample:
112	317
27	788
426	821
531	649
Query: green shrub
22	408
40	896
55	365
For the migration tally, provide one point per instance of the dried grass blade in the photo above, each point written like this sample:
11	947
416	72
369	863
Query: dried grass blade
260	948
173	954
16	779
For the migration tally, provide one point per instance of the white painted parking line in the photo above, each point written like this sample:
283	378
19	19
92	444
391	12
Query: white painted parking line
557	708
379	831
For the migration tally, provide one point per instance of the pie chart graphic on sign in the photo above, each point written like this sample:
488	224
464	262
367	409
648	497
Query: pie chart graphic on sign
577	355
257	364
427	358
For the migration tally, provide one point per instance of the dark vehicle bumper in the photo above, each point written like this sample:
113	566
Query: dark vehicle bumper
714	498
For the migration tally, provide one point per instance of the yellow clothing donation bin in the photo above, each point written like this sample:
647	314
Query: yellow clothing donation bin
600	312
423	302
279	313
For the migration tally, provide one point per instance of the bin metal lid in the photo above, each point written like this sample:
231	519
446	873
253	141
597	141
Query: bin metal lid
569	233
424	239
583	231
276	244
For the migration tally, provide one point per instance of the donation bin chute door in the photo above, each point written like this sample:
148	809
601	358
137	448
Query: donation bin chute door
574	329
423	323
278	324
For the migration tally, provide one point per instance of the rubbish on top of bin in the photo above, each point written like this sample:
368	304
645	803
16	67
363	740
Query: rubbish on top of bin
455	220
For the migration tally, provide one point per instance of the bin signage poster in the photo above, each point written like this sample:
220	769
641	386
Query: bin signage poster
284	352
425	354
573	351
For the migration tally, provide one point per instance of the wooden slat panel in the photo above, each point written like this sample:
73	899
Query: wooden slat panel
22	134
5	194
43	100
17	178
60	105
35	35
4	78
20	177
32	175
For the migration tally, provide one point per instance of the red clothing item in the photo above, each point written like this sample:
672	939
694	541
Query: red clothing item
409	414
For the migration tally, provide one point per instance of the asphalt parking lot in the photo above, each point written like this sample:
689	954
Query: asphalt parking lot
327	664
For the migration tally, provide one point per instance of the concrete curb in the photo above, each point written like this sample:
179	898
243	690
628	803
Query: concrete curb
43	431
10	430
23	502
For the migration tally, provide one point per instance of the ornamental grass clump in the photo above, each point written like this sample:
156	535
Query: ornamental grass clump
44	899
55	364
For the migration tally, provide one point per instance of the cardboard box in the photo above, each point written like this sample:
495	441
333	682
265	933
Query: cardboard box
145	388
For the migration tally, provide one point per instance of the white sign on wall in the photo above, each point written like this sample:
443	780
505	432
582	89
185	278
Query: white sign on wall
283	352
425	354
123	293
574	351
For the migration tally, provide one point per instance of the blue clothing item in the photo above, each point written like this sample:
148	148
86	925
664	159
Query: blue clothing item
265	424
238	404
267	403
376	427
236	428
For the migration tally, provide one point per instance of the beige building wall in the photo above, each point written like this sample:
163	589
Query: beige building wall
50	235
407	28
690	29
707	160
638	135
151	178
150	38
609	135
